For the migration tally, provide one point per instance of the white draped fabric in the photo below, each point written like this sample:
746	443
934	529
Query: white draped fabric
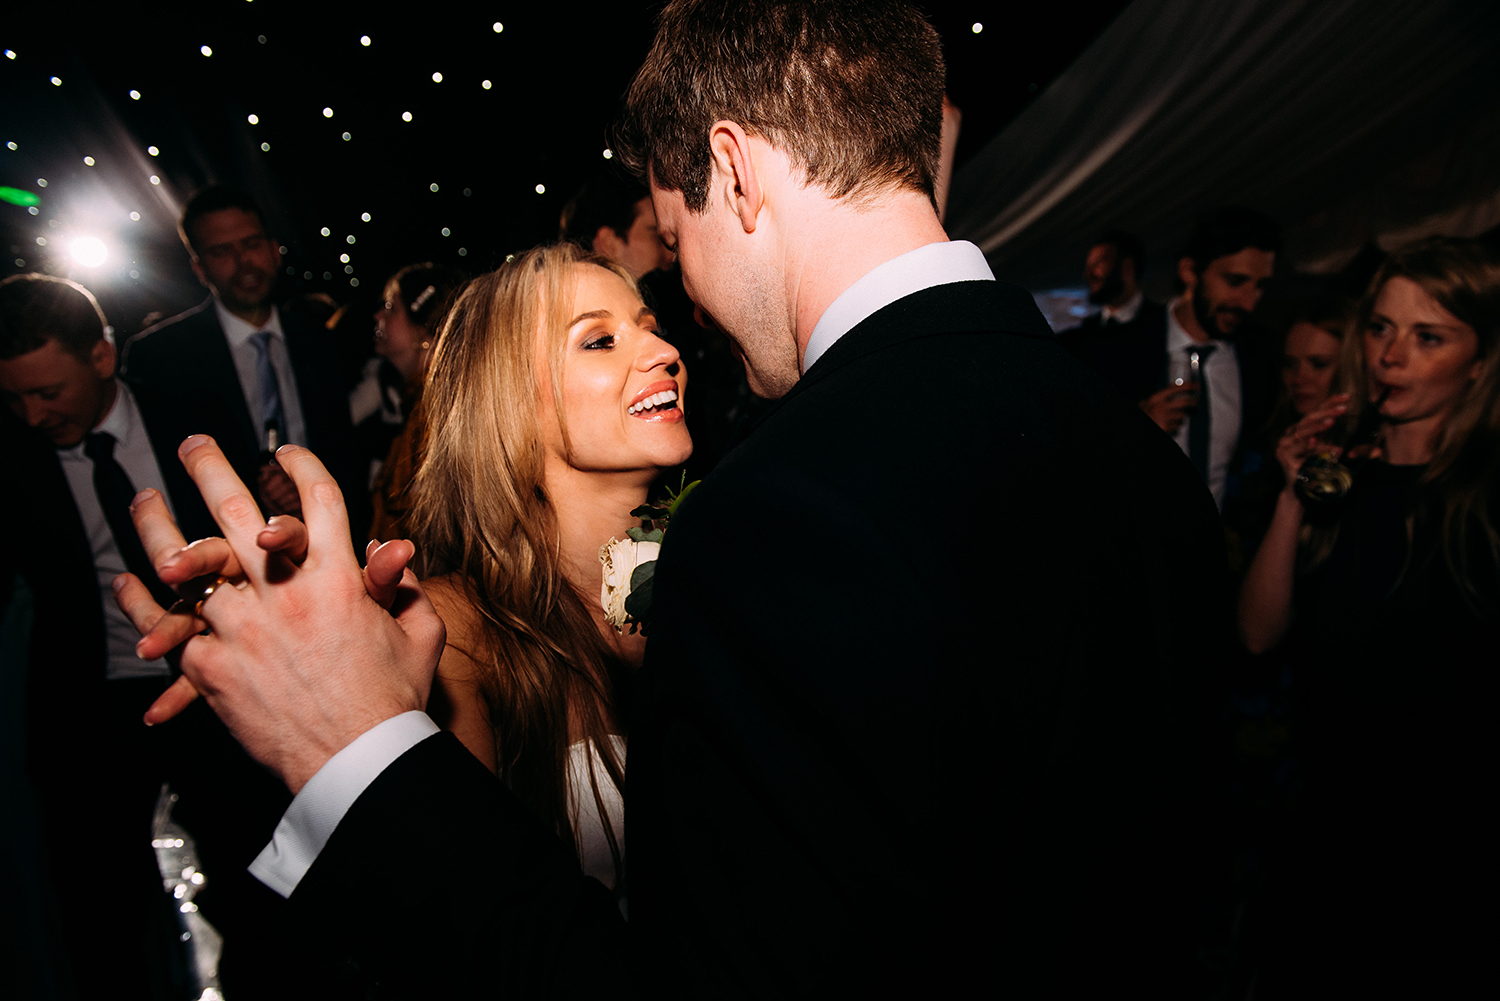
1348	120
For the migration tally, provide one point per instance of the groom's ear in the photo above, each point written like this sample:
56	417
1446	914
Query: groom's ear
734	178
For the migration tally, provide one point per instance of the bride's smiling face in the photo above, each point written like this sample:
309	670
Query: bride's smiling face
622	385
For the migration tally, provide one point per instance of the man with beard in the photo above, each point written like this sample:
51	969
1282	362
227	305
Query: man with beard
1195	375
238	368
1113	270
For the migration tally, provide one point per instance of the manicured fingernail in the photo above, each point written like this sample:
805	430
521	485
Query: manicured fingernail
191	443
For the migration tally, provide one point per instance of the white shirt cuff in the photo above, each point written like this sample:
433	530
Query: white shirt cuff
328	795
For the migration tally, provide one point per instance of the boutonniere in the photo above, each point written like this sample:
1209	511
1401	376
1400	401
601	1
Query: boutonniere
630	563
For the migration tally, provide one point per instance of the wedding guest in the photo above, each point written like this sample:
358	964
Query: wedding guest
1113	270
76	446
1212	414
1390	608
612	216
242	369
406	324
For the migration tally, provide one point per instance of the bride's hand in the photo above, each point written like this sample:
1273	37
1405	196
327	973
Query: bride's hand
163	631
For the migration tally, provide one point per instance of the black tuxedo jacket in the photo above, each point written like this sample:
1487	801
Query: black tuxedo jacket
94	769
920	710
184	365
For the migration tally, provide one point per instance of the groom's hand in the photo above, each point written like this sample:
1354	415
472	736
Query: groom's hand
299	664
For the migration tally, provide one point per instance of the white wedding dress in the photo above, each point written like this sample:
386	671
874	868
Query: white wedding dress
588	829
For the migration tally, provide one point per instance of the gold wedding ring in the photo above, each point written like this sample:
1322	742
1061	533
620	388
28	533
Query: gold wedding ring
198	591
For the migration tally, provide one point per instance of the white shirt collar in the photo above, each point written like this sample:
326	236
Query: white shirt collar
238	331
123	419
1177	337
935	264
1125	313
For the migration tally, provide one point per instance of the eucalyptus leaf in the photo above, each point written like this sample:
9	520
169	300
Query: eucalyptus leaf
638	601
637	534
655	535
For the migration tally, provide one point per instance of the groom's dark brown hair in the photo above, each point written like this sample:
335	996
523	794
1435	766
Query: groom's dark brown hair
851	90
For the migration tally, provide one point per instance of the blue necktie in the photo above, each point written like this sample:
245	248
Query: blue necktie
271	414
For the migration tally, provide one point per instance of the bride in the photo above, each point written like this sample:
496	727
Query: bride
550	407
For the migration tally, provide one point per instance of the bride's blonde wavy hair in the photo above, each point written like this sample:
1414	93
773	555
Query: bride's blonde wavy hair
479	508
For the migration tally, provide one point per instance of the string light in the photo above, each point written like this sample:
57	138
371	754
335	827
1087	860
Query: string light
364	40
977	27
432	187
89	160
541	189
135	95
485	85
327	112
365	216
253	119
265	147
135	217
155	179
152	150
498	27
326	231
346	137
609	154
57	81
406	116
205	50
437	78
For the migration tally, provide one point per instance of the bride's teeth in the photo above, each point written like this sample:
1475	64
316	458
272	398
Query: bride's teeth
653	401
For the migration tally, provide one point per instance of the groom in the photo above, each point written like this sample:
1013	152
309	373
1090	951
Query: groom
920	708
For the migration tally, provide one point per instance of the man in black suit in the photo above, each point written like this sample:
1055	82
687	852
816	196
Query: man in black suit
240	369
917	713
1195	368
75	446
1112	270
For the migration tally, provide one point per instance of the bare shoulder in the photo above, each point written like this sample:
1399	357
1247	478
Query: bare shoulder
458	702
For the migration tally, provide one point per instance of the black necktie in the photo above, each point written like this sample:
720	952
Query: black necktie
113	487
1198	423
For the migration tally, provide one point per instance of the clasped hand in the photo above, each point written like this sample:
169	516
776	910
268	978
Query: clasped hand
306	652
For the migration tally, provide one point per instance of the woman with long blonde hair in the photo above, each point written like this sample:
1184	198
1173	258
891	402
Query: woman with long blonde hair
1389	605
550	407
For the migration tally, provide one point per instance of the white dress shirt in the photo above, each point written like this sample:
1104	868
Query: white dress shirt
1124	313
133	453
322	803
238	333
1221	371
925	267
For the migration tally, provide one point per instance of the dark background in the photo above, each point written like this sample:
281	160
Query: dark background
556	77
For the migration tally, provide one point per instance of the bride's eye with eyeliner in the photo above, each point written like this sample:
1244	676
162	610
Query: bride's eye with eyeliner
600	343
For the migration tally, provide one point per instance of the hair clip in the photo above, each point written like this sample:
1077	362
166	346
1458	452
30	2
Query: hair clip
421	300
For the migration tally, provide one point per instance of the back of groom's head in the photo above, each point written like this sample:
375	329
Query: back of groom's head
851	90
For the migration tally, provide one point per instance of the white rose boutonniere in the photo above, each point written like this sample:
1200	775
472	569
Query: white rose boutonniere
628	568
630	563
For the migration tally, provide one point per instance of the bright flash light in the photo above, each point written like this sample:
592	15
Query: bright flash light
89	251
